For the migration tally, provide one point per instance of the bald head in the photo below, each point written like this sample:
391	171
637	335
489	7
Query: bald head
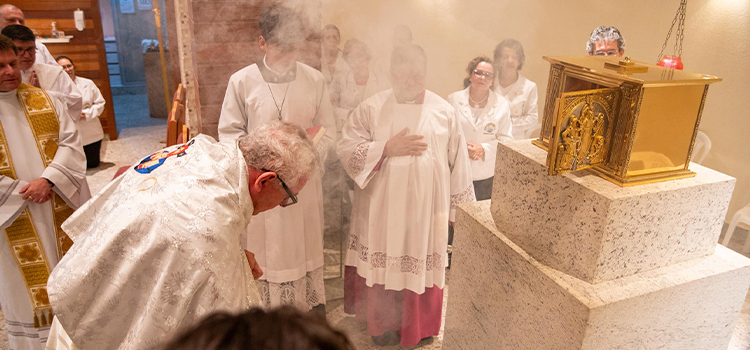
10	14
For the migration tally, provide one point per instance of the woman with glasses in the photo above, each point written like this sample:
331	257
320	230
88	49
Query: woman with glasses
485	120
520	92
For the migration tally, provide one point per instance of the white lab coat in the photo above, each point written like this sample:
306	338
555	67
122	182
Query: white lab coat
493	125
93	106
524	111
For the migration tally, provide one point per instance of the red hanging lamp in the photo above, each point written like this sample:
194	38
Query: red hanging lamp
675	59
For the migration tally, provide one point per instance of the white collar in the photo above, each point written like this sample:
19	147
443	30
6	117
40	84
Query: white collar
275	72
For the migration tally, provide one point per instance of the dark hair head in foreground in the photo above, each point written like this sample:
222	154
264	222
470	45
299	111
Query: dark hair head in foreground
285	328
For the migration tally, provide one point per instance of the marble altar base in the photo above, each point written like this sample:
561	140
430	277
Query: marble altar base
590	228
502	298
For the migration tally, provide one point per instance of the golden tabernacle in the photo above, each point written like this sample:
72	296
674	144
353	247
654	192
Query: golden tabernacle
631	122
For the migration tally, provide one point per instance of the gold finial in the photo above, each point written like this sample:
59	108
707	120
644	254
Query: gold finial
626	66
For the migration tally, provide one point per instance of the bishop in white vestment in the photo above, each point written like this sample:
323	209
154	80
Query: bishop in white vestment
42	180
406	152
287	242
159	247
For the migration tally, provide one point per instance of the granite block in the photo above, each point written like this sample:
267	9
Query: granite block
503	298
590	228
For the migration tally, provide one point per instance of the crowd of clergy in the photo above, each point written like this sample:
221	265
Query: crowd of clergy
224	226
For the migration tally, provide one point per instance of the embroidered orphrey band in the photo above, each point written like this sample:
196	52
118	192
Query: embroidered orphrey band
22	235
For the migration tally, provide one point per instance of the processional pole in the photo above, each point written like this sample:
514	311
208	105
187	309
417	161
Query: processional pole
157	19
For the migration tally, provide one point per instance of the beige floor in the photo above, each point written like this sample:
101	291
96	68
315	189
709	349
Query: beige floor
136	143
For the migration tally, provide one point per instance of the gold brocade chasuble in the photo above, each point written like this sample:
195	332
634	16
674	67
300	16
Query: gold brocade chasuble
22	234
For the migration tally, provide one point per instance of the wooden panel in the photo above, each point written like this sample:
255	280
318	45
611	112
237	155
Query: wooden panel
86	48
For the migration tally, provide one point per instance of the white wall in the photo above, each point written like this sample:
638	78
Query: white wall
452	32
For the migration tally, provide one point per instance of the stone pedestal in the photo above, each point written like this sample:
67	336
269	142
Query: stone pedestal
590	228
502	298
575	262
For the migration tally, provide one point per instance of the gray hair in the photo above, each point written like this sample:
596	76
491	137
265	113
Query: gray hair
607	34
281	147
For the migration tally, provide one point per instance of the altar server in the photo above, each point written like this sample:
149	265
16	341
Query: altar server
42	179
288	241
406	152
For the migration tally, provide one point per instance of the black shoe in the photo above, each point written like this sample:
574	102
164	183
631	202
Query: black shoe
387	338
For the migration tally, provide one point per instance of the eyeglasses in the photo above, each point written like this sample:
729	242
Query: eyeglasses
291	198
31	51
611	52
483	74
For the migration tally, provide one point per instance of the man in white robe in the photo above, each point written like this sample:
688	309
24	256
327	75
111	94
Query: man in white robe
288	242
405	150
42	180
50	78
10	14
159	247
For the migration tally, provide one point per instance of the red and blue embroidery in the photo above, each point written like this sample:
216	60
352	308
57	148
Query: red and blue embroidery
150	163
